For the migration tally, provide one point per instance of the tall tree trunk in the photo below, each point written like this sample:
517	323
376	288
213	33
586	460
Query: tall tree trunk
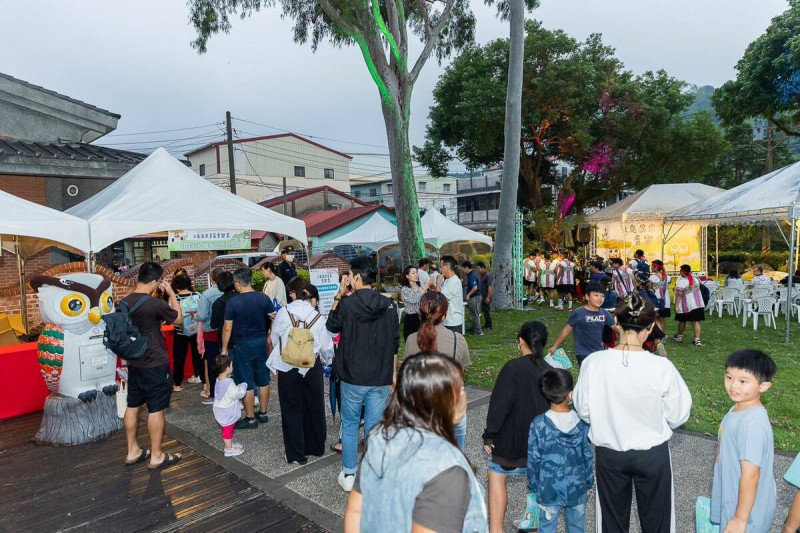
409	227
504	241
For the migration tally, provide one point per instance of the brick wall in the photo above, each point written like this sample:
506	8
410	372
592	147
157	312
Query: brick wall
31	188
8	267
330	261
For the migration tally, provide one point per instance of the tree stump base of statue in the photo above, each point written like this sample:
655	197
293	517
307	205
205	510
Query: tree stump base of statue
68	421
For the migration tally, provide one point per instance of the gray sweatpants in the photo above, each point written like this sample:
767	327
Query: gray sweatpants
474	306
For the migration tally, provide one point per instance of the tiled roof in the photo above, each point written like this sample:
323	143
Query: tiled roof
277	201
323	222
58	95
67	151
267	137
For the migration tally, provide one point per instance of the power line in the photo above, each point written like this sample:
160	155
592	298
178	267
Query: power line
161	131
309	135
151	141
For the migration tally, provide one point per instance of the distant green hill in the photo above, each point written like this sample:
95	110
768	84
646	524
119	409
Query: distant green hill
702	101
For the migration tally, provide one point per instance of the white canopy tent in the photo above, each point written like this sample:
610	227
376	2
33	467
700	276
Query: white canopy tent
638	222
27	228
438	230
773	197
162	194
376	232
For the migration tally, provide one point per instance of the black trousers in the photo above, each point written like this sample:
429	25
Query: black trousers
302	402
410	325
650	472
486	309
180	347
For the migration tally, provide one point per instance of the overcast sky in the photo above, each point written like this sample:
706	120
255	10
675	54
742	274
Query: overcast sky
134	58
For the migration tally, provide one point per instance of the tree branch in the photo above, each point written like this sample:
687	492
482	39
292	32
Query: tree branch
432	32
396	18
785	129
337	17
389	35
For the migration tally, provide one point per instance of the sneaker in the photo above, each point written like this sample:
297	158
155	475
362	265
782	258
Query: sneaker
233	451
263	418
662	351
477	333
346	481
208	401
246	423
698	342
237	445
194	380
677	338
560	308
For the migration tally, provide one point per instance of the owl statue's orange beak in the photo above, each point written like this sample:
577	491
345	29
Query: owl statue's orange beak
94	315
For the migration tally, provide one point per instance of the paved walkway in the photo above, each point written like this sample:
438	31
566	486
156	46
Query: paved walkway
312	490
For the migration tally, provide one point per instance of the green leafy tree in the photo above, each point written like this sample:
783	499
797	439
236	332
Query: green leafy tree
767	81
579	106
382	30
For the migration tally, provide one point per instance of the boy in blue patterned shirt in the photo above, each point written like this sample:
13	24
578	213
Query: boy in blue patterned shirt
560	457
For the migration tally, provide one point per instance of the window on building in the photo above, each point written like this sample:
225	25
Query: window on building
443	210
328	173
203	169
446	187
389	188
564	172
373	192
423	186
357	194
299	172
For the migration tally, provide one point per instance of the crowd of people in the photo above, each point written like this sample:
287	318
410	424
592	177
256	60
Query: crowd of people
609	430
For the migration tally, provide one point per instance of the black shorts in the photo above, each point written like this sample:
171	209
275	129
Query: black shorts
695	315
566	289
526	283
665	312
151	386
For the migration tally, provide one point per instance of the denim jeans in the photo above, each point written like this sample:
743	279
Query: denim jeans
461	433
575	518
353	397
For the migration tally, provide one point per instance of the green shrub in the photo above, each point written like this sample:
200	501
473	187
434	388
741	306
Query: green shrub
777	260
486	258
305	274
258	280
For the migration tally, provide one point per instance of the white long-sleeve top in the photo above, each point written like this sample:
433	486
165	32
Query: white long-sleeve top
632	399
228	401
302	311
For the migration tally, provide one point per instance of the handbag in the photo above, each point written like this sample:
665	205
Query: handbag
793	474
702	516
122	399
558	359
530	518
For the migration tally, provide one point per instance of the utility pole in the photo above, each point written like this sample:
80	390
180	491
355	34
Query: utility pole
231	165
766	245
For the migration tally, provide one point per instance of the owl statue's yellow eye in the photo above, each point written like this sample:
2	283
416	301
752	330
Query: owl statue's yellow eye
73	304
107	302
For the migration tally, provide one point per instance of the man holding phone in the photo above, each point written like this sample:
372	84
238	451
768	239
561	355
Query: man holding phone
366	358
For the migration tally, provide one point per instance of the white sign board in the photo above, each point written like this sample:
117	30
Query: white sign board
208	239
326	280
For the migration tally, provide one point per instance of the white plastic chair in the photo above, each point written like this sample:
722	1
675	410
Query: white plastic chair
712	287
780	304
726	298
763	307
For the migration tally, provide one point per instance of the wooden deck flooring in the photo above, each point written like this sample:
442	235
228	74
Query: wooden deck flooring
88	488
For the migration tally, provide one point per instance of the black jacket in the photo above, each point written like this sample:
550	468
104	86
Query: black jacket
516	400
370	337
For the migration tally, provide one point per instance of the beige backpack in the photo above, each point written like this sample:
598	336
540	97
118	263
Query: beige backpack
299	349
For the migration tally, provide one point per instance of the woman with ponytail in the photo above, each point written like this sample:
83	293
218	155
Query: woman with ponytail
659	281
434	337
632	401
689	306
516	400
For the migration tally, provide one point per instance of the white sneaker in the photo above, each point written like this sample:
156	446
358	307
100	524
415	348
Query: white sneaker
559	308
237	445
233	452
661	349
194	380
346	482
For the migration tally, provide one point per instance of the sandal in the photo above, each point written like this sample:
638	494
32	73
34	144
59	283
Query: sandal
169	460
698	342
335	449
175	388
145	455
677	338
205	394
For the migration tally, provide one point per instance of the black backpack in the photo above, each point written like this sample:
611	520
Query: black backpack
121	335
705	293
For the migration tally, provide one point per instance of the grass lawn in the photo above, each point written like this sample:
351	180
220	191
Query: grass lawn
701	367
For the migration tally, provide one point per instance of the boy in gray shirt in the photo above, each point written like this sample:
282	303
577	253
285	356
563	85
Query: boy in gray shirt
743	493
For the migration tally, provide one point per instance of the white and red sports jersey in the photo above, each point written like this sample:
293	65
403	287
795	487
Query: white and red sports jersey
623	281
567	273
530	269
547	274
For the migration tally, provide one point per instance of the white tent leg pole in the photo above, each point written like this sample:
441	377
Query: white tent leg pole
791	271
716	245
23	293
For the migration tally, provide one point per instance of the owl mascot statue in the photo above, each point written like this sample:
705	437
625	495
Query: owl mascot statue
79	371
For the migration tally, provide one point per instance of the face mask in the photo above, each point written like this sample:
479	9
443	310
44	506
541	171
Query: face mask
290	258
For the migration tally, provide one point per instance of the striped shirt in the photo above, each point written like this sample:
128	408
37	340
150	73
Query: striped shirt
623	281
547	274
530	269
567	273
687	300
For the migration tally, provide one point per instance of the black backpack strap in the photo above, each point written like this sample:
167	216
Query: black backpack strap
137	305
455	345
